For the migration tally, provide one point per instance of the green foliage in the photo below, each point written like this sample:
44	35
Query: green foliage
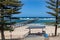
7	9
54	6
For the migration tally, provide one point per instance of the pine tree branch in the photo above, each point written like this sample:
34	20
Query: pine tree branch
53	14
52	1
50	7
51	4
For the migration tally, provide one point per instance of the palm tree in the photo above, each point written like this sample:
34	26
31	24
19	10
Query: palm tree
54	5
7	9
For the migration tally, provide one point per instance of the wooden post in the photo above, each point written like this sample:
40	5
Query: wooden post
29	30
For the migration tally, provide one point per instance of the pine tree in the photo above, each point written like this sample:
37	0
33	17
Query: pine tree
54	5
7	9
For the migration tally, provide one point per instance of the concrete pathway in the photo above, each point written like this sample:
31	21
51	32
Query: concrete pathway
34	37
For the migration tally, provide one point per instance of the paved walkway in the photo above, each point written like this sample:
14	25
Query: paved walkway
34	37
54	38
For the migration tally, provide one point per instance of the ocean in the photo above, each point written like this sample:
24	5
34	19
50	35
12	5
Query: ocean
35	20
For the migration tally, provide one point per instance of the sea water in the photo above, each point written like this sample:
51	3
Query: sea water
40	20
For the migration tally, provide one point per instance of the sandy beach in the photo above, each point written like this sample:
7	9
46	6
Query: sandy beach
22	32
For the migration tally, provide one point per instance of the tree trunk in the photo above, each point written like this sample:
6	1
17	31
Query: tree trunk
55	30
56	17
2	25
2	33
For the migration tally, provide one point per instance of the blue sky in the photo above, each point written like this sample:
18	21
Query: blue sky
34	8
